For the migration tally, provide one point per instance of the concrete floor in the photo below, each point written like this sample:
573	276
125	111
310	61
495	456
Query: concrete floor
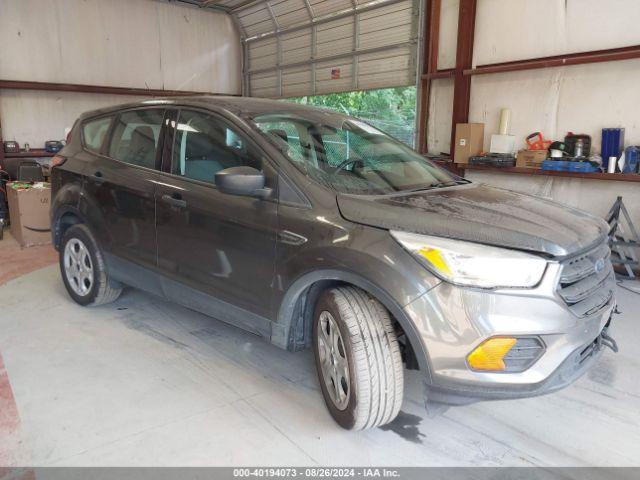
145	382
16	261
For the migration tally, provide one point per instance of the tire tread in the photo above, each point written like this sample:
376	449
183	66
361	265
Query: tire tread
377	360
107	291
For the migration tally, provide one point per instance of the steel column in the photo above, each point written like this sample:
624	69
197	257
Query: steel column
431	34
2	165
464	59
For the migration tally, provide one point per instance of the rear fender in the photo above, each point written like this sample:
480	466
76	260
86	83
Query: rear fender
64	205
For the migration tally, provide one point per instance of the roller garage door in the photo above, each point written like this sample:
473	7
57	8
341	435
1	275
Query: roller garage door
307	47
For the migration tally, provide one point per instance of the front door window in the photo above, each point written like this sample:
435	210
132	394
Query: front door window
204	145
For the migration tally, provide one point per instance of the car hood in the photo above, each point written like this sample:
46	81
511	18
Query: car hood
481	214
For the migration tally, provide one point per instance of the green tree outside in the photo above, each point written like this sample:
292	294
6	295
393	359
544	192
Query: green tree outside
392	110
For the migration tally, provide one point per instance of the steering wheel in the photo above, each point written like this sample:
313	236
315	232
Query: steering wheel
345	164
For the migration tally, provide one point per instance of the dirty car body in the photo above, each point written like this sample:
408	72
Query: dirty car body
423	251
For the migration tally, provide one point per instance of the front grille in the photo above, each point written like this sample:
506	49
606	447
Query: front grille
585	288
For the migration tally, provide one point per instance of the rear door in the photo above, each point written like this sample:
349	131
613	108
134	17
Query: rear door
120	185
218	249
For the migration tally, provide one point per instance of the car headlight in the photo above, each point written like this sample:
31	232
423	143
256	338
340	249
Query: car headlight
473	264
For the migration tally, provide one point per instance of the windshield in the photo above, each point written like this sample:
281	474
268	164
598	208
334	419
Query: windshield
352	157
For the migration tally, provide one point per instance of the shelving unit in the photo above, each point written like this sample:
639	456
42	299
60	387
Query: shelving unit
618	177
34	153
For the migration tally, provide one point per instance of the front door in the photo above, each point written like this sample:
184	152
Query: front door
217	250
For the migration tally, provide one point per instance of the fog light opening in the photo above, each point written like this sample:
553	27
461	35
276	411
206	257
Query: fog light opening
489	355
506	354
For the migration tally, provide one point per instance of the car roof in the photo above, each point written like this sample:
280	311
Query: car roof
241	106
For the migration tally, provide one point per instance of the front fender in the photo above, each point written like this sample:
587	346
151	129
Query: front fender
283	330
370	259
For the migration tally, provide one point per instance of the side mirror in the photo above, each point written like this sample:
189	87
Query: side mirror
245	181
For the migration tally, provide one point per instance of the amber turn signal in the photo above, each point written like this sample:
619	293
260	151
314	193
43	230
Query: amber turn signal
489	355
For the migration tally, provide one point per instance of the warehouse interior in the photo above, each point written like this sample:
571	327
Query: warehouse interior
146	382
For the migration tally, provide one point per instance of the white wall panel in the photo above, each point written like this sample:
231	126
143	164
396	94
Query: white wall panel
121	43
124	43
440	115
532	97
448	33
34	117
200	50
582	99
518	29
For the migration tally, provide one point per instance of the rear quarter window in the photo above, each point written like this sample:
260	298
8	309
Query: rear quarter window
94	133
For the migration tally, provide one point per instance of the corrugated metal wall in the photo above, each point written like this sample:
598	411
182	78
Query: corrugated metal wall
308	47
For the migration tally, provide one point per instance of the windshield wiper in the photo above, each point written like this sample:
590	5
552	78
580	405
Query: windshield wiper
433	186
450	183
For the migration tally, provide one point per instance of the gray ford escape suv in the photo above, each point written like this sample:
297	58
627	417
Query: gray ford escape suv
314	229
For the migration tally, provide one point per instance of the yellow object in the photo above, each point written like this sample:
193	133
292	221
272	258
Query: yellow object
434	257
489	355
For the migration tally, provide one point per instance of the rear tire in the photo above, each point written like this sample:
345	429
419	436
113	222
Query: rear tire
83	269
357	358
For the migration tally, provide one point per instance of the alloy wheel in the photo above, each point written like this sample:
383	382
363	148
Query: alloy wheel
78	267
333	360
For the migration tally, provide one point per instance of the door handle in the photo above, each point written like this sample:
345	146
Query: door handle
173	200
97	177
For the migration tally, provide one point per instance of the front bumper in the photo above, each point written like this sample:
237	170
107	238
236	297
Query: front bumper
452	321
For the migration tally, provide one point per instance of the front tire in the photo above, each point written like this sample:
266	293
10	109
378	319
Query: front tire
83	269
357	358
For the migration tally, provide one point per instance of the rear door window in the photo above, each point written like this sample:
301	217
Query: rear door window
94	133
135	137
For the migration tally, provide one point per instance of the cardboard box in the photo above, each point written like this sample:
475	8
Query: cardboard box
531	158
469	141
29	214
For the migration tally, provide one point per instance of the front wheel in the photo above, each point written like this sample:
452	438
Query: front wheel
357	358
83	269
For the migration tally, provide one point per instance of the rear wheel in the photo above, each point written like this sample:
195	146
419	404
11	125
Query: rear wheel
83	268
357	358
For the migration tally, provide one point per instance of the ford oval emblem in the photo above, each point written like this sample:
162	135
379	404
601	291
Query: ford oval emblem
598	266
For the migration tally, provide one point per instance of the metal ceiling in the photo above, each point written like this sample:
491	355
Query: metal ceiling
307	47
